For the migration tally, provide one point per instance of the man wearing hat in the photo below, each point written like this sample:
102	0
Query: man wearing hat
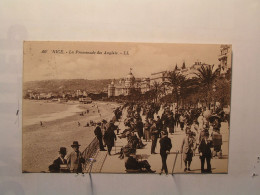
75	159
205	152
60	164
166	145
99	136
187	148
110	137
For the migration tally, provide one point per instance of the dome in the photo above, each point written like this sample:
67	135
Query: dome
130	76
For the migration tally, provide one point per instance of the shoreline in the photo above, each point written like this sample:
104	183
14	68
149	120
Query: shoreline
40	145
70	109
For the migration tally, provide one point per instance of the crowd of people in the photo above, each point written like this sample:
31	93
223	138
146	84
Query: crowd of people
150	122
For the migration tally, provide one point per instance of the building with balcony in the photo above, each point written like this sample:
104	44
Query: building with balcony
124	86
224	58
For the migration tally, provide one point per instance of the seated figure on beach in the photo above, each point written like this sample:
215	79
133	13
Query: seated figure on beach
60	164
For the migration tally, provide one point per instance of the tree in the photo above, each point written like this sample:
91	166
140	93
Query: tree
176	67
183	66
206	76
156	91
176	81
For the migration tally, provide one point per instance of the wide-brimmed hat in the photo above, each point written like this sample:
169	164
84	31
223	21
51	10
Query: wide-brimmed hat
164	133
63	150
75	143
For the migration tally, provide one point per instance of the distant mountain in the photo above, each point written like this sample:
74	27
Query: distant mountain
66	85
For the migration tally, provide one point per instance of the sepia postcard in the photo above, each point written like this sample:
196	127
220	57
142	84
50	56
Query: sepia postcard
110	107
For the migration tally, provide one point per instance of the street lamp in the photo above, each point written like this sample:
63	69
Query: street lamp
214	91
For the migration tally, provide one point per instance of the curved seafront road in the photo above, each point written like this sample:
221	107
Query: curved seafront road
113	164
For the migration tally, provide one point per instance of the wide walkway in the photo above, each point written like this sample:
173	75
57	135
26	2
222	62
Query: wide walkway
113	164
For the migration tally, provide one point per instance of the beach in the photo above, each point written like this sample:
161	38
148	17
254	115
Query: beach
60	128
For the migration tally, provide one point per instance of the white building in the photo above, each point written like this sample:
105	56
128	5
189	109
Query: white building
124	85
225	58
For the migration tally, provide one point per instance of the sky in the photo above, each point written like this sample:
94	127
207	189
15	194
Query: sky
142	58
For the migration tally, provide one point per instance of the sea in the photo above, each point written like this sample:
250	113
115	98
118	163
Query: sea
35	111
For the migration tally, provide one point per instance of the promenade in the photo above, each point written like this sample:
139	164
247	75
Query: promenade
112	164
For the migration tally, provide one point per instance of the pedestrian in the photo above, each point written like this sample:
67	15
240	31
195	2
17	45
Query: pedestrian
166	145
187	148
196	132
216	141
159	125
60	164
99	136
154	136
205	153
75	159
182	120
177	117
200	121
110	137
147	130
171	123
139	128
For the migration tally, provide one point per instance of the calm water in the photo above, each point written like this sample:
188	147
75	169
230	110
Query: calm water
36	111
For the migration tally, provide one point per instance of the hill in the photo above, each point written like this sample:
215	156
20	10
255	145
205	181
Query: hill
68	85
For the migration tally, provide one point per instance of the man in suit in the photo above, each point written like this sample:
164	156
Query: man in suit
110	137
187	148
75	159
205	152
166	145
154	136
99	136
140	128
60	164
159	125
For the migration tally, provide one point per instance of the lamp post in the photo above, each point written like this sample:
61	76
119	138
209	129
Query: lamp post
214	91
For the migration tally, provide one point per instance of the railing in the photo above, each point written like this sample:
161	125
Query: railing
90	152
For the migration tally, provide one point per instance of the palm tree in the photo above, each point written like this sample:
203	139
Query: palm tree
175	80
156	90
206	77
